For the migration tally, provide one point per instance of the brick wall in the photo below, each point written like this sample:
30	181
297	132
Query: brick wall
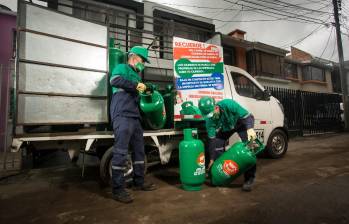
300	55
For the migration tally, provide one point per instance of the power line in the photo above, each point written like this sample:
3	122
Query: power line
228	8
218	8
260	20
306	18
334	48
320	2
275	13
294	43
328	40
263	20
297	6
231	18
252	8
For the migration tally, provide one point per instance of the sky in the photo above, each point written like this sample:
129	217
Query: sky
308	30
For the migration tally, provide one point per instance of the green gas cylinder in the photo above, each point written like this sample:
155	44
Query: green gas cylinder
191	161
169	95
153	107
194	112
235	161
116	56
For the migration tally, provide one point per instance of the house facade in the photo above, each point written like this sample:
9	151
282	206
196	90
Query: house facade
272	67
308	73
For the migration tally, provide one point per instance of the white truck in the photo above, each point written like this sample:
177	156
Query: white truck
62	81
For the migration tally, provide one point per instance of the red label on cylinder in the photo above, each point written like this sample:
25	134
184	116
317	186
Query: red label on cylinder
201	159
230	167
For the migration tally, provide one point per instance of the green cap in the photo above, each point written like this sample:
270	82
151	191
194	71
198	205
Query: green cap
206	106
141	52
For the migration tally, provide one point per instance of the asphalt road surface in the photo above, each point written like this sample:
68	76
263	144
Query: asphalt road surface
309	185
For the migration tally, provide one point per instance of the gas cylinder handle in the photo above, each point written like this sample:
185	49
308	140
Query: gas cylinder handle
194	133
260	148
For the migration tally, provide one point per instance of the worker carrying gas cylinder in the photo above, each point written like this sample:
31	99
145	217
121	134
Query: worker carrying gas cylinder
128	132
223	119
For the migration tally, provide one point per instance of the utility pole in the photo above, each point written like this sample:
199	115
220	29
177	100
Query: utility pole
342	73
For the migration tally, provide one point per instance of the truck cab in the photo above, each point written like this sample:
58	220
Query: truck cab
266	109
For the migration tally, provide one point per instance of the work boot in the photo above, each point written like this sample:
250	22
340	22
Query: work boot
145	187
122	196
247	186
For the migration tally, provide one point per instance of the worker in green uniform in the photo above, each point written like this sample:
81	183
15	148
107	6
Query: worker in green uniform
223	119
125	116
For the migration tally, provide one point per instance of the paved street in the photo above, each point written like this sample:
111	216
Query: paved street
309	185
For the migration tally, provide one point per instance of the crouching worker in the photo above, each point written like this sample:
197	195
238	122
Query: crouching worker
222	121
128	132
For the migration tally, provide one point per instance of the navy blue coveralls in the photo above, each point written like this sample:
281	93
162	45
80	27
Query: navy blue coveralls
125	117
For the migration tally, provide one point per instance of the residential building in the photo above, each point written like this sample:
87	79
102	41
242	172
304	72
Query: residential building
264	62
308	73
234	48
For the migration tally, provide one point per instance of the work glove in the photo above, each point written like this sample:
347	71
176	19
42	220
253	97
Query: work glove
251	134
141	87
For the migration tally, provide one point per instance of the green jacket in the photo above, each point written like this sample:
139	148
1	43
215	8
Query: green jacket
125	99
230	113
126	72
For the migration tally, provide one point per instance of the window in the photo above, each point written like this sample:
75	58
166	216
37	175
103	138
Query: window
291	70
166	31
270	64
120	21
336	81
229	56
313	73
251	64
245	87
167	25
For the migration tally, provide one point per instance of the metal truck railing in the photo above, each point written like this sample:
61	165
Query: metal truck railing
128	33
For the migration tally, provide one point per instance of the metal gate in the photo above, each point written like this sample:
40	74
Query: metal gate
309	112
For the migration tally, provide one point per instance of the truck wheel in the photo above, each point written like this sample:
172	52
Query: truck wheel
105	167
277	144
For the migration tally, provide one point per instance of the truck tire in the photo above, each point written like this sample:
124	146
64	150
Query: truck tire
277	144
105	167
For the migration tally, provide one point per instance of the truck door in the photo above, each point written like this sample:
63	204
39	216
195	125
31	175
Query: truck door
249	94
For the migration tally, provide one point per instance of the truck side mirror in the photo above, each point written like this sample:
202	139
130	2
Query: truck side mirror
266	95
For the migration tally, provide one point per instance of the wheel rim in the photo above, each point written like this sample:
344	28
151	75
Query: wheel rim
278	144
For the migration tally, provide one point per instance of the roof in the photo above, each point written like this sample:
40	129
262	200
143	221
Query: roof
230	41
236	31
179	12
269	49
5	8
317	62
7	12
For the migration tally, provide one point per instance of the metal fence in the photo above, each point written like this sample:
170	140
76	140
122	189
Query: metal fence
308	112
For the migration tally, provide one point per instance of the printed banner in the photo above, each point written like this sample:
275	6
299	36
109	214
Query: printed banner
198	70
